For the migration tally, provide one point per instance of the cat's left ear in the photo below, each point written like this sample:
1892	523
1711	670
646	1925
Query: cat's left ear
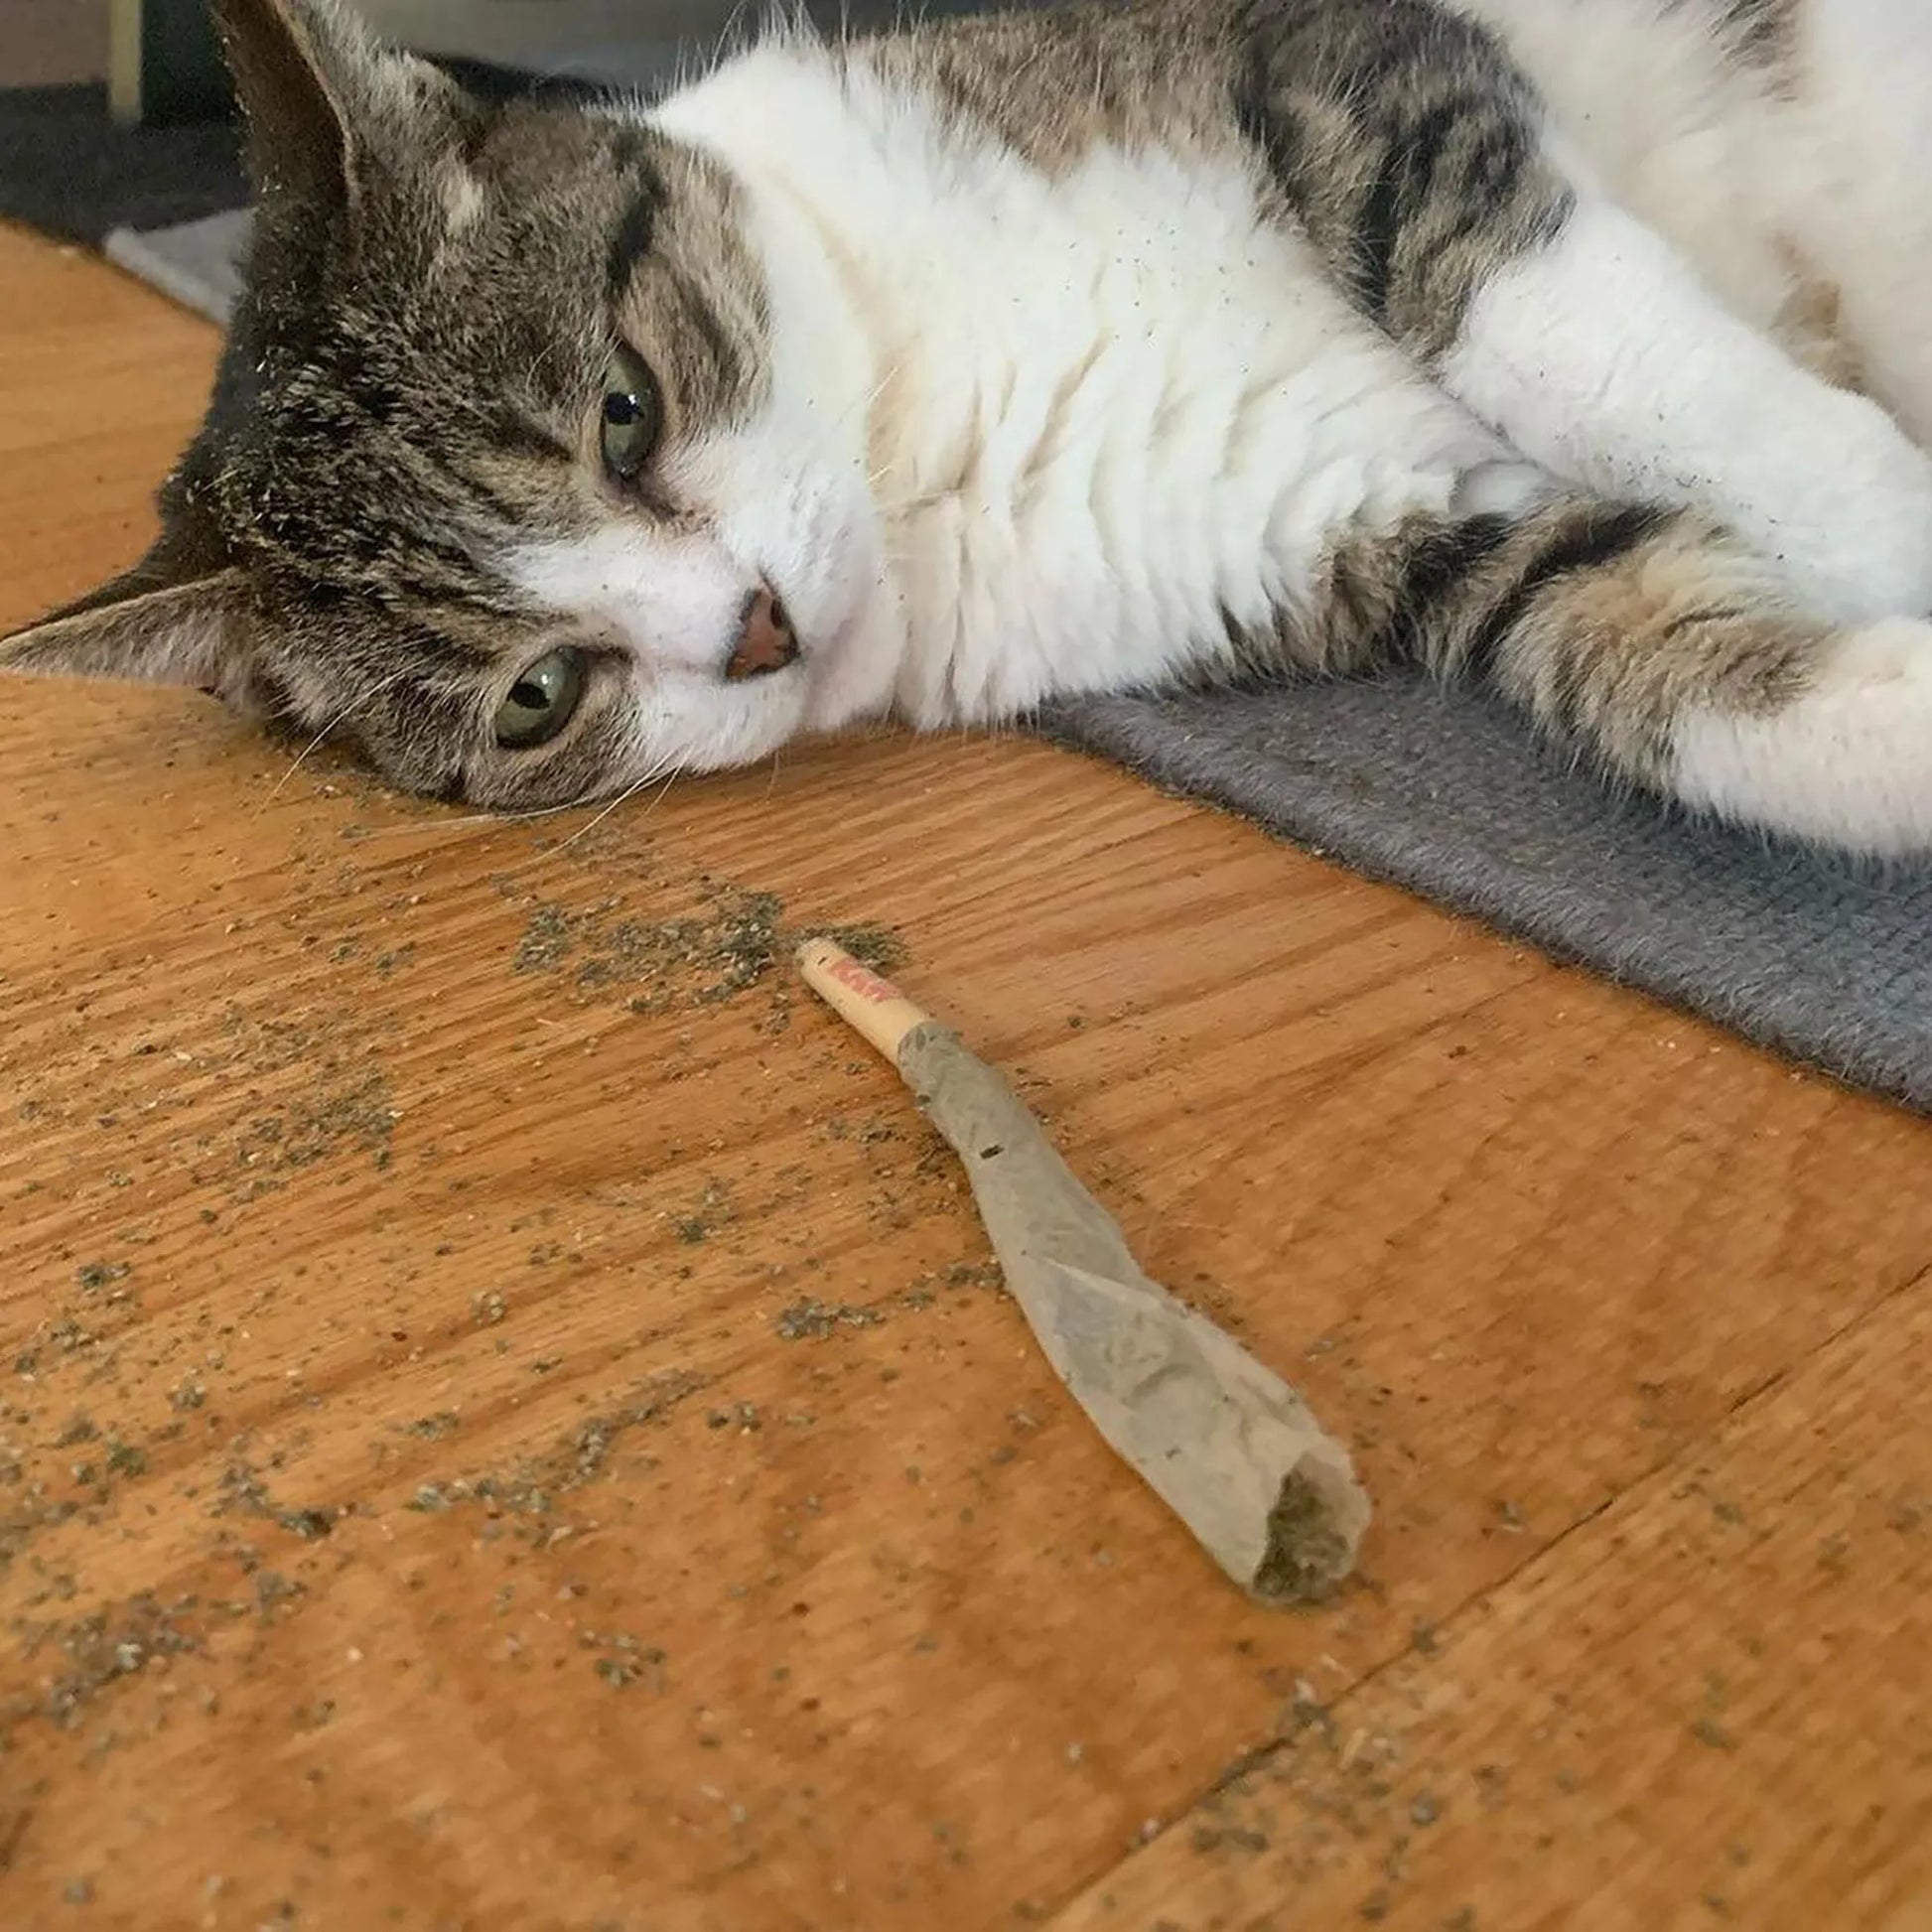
323	104
193	631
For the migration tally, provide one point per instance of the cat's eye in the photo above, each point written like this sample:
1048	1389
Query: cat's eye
630	416
542	701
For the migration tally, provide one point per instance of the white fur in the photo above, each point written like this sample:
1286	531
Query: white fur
1030	437
461	196
1604	356
1691	142
1862	206
1099	416
1754	176
1849	763
676	598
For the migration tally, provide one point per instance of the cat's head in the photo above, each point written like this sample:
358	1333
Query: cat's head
521	470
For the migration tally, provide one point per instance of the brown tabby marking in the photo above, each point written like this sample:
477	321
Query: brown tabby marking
1603	620
1399	137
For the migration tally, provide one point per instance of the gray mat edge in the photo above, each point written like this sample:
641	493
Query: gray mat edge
191	263
1628	955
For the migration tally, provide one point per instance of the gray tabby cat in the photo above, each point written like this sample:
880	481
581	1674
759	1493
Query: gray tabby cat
1575	346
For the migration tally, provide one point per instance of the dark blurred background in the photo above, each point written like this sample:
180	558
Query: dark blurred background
156	55
115	118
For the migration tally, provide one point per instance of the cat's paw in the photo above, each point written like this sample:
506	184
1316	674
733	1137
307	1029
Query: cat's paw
1846	763
1859	539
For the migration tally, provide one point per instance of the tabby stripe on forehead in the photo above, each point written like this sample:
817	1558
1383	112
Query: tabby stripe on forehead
513	433
487	596
634	230
720	350
435	570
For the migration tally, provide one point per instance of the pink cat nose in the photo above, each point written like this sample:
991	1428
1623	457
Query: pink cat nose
766	641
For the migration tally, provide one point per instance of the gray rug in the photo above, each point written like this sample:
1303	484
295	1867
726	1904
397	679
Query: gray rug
1443	793
197	263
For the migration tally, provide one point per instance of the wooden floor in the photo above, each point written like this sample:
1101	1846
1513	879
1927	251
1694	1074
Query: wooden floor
507	1422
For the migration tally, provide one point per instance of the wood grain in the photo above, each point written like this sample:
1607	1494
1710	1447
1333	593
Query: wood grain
1687	1711
508	1422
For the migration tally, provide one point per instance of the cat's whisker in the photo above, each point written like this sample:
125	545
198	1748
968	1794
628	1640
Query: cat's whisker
879	389
585	830
555	347
863	404
663	792
544	853
321	737
742	30
649	776
479	818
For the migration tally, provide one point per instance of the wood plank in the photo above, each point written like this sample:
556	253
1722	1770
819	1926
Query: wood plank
554	1454
102	383
1704	1706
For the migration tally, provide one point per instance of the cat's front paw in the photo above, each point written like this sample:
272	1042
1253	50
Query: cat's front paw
1860	548
1848	763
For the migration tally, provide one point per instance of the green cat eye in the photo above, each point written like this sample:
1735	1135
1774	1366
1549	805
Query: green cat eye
542	701
631	415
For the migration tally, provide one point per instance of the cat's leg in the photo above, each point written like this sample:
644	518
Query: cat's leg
1600	353
1420	162
1668	653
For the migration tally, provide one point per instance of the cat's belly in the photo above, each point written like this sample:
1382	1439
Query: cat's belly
1133	423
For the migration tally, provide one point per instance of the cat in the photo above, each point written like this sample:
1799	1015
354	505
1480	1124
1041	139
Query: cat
1577	347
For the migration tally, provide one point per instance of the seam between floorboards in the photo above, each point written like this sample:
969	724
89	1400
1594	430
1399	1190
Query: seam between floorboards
1747	1399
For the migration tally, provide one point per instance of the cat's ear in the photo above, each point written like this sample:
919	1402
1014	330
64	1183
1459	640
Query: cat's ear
193	632
321	99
